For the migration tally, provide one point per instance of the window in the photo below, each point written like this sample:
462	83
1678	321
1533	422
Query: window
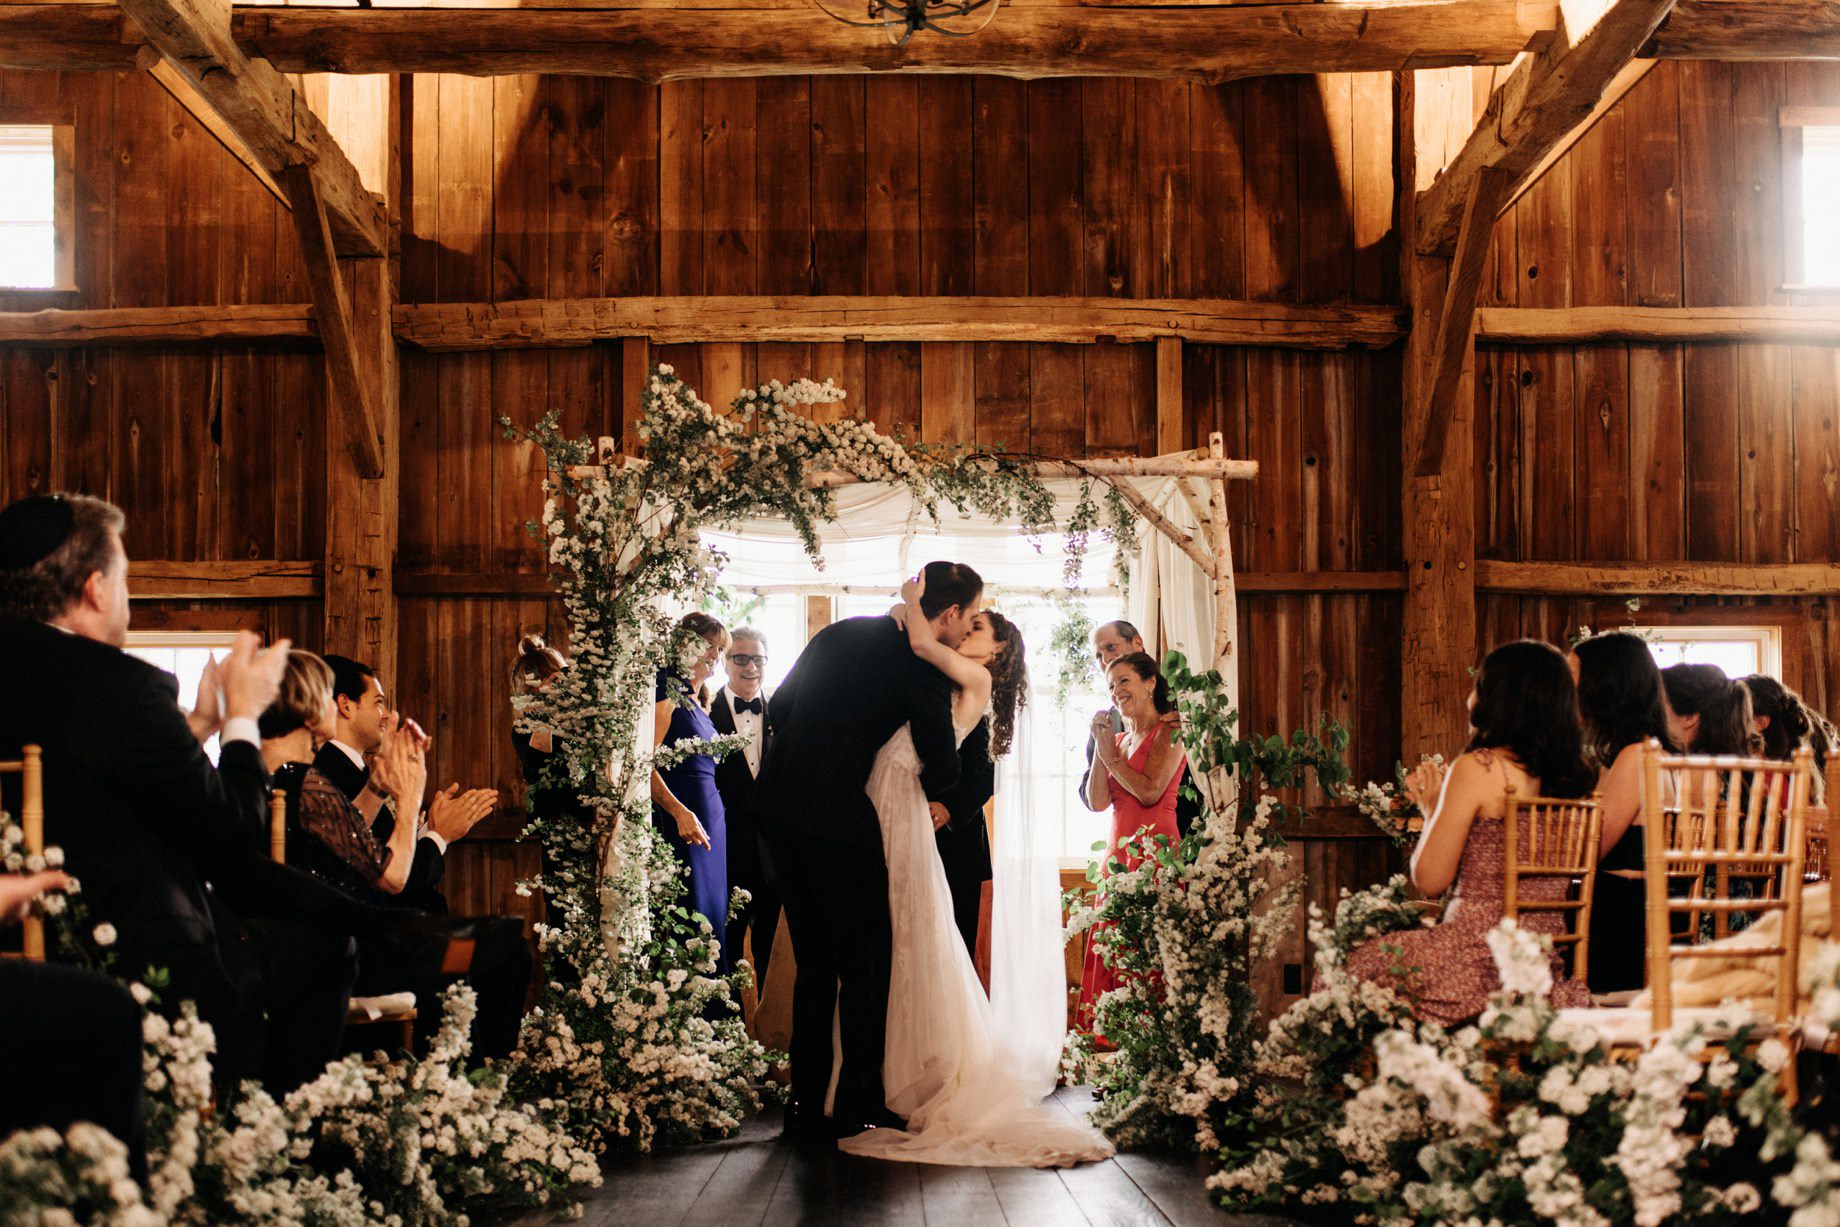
35	206
1811	192
182	654
1738	650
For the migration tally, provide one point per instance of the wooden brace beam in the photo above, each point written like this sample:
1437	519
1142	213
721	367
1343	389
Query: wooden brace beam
264	111
1548	94
56	328
1657	325
333	308
1452	347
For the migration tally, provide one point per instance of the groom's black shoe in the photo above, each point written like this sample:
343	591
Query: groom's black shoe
808	1129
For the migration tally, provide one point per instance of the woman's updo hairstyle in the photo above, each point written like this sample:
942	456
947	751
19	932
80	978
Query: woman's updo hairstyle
1722	705
1145	668
535	664
1793	724
709	629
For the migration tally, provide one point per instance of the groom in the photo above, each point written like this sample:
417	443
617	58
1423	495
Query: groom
852	689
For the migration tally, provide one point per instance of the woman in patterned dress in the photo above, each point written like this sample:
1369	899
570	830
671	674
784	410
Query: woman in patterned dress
1527	735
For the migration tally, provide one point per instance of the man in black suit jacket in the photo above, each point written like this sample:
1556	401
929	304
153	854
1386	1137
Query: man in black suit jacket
964	841
740	706
169	849
853	688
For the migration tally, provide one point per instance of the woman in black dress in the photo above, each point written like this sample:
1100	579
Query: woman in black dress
1621	699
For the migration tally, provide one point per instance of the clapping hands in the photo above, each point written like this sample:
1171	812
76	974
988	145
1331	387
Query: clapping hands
452	813
1423	784
17	891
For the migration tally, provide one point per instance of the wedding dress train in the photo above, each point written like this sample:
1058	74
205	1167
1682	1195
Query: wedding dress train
970	1098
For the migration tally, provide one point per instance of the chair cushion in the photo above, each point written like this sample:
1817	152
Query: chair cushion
373	1008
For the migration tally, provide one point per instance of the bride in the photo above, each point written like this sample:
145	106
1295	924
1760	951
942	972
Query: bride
970	1098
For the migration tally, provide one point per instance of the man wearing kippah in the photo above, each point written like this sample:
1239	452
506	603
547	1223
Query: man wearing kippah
166	845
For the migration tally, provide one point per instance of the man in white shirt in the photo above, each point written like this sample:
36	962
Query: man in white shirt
741	707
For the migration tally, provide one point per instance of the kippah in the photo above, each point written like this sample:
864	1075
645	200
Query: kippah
32	528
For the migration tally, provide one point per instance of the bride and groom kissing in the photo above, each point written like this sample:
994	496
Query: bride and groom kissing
866	733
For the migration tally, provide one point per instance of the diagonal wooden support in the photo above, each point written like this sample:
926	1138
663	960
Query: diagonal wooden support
1184	541
265	112
1451	350
1548	94
332	312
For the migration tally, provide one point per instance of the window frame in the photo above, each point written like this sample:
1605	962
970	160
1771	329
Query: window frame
1790	122
63	198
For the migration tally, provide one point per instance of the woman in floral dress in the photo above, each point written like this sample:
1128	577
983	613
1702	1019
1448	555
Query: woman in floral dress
1527	735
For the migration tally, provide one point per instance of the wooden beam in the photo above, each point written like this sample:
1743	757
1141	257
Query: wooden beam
1452	350
346	385
283	322
240	580
1658	578
183	92
264	110
1438	615
525	585
1658	325
1549	93
70	38
1184	541
560	323
1748	30
1168	394
1625	80
1205	42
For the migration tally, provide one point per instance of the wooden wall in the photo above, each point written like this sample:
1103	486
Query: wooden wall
1704	451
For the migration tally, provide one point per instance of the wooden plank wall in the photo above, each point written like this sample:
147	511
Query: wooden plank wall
550	187
1708	451
214	452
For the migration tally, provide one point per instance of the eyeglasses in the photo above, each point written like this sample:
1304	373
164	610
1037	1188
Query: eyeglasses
741	660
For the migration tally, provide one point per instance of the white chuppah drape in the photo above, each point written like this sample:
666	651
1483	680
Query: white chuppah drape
879	538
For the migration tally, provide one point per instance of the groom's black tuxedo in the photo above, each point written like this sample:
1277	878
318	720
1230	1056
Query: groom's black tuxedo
854	686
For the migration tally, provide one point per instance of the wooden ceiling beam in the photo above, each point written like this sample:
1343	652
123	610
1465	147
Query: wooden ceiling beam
1208	42
1748	30
264	111
332	307
561	323
1658	578
1549	93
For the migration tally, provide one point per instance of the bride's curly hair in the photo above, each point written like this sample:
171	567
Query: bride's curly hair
1009	683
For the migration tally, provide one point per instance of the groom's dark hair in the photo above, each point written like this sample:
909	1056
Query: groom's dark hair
949	584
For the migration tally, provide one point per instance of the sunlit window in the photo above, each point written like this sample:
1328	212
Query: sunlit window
1820	195
183	654
28	207
1738	650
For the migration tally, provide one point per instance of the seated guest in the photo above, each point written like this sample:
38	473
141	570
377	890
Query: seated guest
1708	713
169	848
1623	705
740	706
1110	641
1136	774
330	837
1786	724
73	1039
362	718
686	806
958	816
1524	710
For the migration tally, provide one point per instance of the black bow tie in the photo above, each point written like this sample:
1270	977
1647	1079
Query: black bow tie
754	705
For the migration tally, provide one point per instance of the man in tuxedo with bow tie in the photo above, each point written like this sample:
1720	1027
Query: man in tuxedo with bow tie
741	707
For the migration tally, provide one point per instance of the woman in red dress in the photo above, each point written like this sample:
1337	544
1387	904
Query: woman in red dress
1137	773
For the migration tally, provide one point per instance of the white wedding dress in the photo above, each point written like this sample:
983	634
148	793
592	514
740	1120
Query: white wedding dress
967	1094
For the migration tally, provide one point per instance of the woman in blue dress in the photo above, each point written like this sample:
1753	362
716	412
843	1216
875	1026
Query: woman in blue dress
686	808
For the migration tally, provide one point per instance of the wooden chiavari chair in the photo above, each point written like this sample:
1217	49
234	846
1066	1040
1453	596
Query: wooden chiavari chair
362	1011
30	767
1554	838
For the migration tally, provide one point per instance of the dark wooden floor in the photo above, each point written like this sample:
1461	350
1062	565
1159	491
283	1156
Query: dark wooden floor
754	1180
